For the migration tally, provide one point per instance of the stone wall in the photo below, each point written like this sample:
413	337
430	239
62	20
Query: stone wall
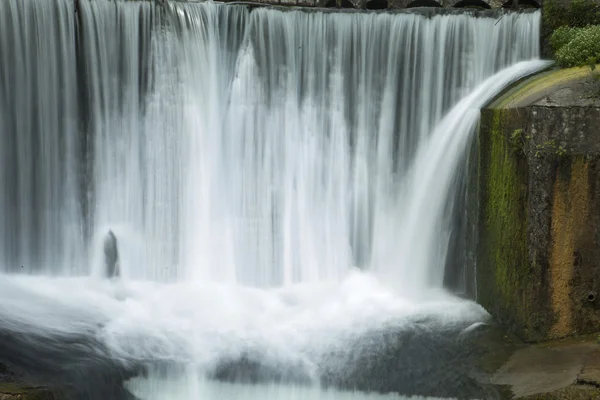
536	215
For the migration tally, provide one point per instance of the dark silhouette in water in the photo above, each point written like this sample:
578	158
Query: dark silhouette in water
111	255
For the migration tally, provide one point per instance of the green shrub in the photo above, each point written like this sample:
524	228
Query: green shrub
584	13
562	36
582	49
578	14
555	15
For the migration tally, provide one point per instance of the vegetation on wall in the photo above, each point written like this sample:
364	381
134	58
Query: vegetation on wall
576	14
576	46
562	36
504	275
575	28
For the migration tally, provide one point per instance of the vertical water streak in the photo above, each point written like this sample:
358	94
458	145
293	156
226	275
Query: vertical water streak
40	221
330	110
422	232
114	38
194	55
264	148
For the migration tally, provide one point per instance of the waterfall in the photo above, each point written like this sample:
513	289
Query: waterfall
40	212
264	148
280	184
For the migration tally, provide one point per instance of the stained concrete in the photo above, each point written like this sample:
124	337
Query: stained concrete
535	206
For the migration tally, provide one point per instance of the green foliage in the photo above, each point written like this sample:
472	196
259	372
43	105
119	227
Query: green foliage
562	36
555	15
518	139
583	13
517	135
577	46
549	146
577	14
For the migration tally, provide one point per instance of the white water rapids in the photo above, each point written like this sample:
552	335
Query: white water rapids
278	181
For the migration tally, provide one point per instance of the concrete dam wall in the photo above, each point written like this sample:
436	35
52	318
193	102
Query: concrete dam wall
535	206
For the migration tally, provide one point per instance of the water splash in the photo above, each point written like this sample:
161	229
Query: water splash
419	221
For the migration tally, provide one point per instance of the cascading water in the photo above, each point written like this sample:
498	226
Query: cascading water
248	162
264	148
40	215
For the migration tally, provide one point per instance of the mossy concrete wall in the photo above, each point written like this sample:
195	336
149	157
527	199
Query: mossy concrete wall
536	208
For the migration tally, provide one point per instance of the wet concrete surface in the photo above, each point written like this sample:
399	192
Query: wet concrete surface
552	367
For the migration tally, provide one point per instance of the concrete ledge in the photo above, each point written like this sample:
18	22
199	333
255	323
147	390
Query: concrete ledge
572	87
548	369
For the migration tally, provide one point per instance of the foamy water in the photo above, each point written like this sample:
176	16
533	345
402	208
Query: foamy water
202	323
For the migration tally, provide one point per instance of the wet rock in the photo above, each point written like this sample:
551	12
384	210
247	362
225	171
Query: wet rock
74	367
15	391
254	368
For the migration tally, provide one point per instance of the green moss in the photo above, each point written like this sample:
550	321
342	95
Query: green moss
537	86
518	140
549	147
12	388
573	392
506	271
26	392
504	212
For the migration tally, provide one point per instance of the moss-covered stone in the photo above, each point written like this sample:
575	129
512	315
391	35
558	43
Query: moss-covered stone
15	391
574	392
539	86
538	215
506	282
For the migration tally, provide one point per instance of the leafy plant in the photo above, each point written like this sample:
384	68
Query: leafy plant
562	36
577	14
583	13
583	48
